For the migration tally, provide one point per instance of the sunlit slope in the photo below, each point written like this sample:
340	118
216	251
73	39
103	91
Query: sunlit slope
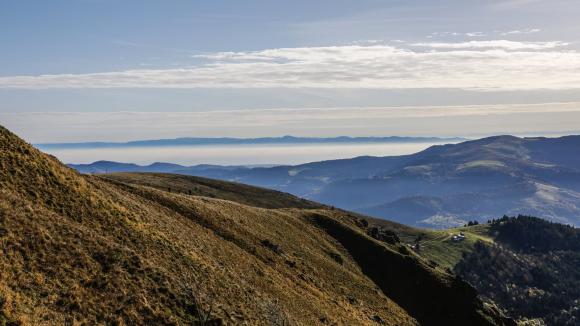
198	186
82	249
439	246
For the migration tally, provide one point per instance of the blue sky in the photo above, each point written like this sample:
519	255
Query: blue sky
102	70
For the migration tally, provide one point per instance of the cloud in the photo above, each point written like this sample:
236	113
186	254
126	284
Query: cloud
475	34
516	4
519	32
483	34
456	34
496	44
476	65
354	121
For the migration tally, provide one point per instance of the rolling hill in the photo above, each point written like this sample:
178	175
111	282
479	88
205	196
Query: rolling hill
165	249
442	186
527	265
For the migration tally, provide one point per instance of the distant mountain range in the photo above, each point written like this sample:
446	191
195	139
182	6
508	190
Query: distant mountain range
442	186
246	141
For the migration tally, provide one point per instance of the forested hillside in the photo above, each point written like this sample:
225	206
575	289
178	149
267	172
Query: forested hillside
533	271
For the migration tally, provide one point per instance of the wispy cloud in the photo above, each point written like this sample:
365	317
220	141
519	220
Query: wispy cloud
519	32
515	32
479	65
456	34
355	121
515	4
495	44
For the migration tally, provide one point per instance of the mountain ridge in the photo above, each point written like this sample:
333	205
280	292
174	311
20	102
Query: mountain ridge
477	179
190	141
95	249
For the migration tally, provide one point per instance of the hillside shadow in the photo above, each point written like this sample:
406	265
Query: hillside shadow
431	297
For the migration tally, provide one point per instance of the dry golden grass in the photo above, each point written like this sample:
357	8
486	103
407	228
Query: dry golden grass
205	187
124	250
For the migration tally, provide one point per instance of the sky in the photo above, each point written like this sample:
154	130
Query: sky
109	70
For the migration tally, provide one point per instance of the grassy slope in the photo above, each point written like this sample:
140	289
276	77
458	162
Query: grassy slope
439	247
193	186
205	187
436	245
83	249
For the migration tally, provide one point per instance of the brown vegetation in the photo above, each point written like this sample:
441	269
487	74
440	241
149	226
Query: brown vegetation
126	249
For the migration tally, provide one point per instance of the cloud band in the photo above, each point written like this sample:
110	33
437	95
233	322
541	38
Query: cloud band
476	65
